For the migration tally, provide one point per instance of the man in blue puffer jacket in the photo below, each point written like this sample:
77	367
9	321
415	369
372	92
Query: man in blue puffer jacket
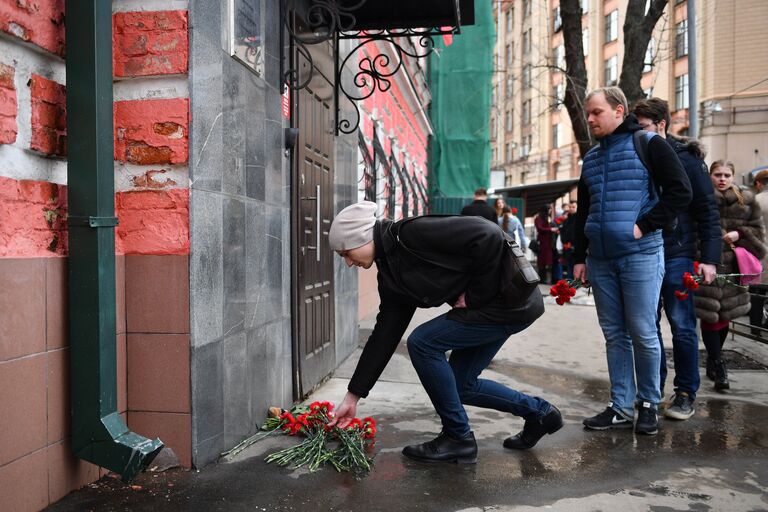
700	222
621	212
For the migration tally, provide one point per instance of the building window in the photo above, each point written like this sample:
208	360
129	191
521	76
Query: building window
527	112
527	42
526	76
525	146
526	8
494	127
510	86
611	71
509	120
584	7
508	56
681	91
493	95
508	152
559	57
650	52
678	2
585	41
612	26
558	95
555	136
648	92
557	21
509	18
681	39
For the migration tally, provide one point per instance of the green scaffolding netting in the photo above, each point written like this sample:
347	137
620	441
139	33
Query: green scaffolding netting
460	79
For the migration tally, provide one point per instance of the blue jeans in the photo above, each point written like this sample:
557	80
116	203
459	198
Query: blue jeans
451	383
682	319
627	297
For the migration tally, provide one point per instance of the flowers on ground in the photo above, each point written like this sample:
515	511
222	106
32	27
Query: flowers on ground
564	289
344	449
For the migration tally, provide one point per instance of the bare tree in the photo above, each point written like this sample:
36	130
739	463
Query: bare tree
638	29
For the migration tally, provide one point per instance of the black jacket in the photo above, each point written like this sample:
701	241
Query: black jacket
480	208
701	221
429	261
667	174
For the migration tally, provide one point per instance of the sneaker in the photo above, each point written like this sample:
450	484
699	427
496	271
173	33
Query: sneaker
647	421
682	407
609	418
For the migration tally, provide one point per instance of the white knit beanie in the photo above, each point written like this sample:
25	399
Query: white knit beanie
353	226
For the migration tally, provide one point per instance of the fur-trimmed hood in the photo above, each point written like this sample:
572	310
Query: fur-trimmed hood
693	146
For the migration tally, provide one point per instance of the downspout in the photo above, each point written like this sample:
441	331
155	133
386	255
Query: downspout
99	434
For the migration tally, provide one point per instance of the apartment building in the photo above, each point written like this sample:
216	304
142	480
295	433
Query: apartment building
531	136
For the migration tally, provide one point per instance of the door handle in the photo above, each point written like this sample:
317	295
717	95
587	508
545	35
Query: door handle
317	216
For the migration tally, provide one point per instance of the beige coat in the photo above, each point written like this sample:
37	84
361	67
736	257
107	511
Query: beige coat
719	301
762	200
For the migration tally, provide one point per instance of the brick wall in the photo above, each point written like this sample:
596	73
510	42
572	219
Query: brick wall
151	114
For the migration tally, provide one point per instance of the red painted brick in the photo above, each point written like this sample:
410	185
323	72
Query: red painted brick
153	222
150	43
32	218
150	132
49	116
8	105
40	22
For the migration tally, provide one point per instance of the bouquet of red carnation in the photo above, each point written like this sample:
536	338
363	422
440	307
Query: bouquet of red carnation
344	449
691	282
564	289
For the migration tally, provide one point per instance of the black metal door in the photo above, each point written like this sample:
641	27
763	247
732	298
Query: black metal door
314	346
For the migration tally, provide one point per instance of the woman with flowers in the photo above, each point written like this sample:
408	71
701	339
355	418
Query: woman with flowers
426	262
717	303
513	227
545	234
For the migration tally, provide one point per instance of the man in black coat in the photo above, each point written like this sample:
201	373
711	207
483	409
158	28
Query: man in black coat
698	226
426	262
480	207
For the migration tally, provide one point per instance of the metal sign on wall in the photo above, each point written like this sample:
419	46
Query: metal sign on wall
246	33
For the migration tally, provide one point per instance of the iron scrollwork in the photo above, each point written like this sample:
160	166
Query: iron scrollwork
327	20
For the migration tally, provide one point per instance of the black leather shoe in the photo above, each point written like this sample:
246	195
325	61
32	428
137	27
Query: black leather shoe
444	448
533	430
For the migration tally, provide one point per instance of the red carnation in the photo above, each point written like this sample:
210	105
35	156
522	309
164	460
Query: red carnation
695	267
514	211
680	295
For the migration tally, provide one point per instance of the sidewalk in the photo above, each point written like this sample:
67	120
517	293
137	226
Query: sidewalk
715	461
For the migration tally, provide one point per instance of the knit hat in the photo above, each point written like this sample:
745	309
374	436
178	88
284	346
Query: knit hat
353	226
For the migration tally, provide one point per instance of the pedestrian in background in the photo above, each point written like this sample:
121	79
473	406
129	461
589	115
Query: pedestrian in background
698	225
741	223
623	207
567	238
480	207
544	233
758	292
512	226
499	205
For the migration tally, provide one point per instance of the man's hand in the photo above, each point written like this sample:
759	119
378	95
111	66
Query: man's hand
345	412
708	271
460	302
580	272
638	233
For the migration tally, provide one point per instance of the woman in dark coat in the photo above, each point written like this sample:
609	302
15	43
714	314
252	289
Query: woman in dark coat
741	221
544	234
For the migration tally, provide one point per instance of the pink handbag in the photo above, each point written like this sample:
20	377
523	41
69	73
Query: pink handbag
748	264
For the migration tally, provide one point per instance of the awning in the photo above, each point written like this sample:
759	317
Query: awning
538	194
400	14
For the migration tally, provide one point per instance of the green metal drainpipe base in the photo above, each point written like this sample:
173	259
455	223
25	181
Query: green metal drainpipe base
126	452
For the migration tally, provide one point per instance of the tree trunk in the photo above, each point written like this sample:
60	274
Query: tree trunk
575	73
638	28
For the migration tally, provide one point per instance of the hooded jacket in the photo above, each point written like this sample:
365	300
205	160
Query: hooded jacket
430	261
700	222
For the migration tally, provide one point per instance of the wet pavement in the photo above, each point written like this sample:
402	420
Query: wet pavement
715	461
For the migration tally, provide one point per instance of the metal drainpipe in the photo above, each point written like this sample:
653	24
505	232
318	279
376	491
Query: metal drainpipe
99	434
